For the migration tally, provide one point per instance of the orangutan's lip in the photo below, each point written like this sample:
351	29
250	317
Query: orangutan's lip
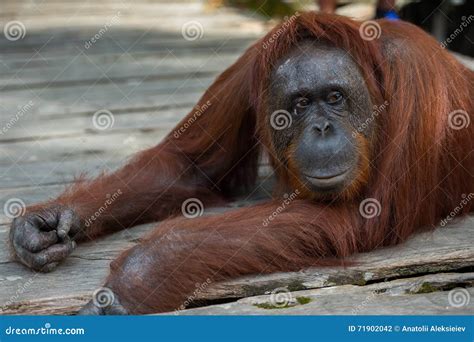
327	180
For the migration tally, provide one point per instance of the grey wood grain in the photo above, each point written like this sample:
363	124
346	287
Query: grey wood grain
77	124
81	147
23	58
424	295
126	70
93	97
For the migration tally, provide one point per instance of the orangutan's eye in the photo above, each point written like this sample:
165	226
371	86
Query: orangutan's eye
334	97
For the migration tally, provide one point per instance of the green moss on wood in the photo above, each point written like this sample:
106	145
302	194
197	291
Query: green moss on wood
354	279
303	300
269	306
257	290
425	288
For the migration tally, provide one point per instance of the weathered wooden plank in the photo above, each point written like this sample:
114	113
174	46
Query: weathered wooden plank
111	90
15	59
143	99
29	196
48	9
31	175
82	147
30	63
444	250
222	27
85	70
136	94
425	295
159	103
86	18
75	124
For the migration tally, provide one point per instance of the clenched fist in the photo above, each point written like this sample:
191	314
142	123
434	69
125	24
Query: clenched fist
42	238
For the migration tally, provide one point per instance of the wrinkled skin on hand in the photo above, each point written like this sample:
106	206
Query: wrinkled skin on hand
43	238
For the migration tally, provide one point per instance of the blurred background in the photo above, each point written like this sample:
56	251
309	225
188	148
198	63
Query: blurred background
441	18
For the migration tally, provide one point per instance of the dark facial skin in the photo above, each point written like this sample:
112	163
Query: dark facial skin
323	90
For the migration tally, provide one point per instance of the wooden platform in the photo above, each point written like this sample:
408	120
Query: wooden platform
148	76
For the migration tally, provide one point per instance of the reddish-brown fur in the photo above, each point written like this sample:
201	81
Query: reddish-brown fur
419	168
